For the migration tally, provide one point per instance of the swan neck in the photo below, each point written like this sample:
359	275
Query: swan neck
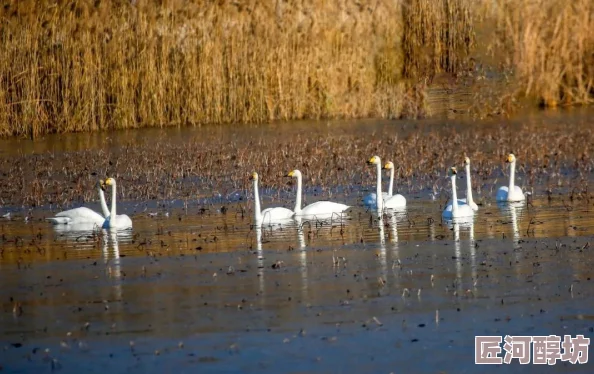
112	219
454	196
469	199
379	198
512	176
104	207
391	186
257	210
298	198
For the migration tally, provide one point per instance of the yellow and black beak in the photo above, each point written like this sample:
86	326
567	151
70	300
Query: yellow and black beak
371	161
509	158
453	170
291	173
102	184
253	176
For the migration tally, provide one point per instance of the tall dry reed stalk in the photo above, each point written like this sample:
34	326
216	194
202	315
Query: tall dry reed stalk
438	37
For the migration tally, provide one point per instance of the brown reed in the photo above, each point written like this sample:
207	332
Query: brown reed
90	65
549	44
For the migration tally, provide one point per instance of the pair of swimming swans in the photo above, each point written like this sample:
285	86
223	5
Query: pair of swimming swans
85	216
371	199
279	214
459	208
387	201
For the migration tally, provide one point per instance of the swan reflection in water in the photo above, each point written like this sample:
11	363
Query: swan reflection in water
260	261
514	210
456	226
389	222
302	257
111	258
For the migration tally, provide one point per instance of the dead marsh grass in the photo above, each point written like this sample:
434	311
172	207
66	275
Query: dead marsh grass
92	65
549	46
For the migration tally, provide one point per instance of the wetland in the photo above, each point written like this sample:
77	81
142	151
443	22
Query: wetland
195	287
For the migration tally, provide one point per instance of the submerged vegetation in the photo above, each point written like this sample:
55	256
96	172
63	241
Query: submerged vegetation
87	65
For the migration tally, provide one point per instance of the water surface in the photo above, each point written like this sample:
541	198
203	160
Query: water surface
194	287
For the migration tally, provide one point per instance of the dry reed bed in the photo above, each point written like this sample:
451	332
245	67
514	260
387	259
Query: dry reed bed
87	65
206	166
548	45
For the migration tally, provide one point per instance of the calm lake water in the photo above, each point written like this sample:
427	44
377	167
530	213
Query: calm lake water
195	288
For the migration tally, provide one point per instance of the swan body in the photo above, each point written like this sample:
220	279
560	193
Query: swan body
393	201
269	215
76	216
114	221
468	200
371	199
319	208
513	192
82	217
456	210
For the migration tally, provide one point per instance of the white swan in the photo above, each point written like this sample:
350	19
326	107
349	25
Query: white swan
269	215
456	210
114	221
391	202
318	208
513	192
83	216
371	199
468	200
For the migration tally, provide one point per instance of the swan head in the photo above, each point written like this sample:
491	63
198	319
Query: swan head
389	165
254	176
101	184
294	173
452	171
375	160
108	182
510	158
466	161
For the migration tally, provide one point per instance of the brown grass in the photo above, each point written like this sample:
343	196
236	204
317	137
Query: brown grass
89	65
439	37
549	45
